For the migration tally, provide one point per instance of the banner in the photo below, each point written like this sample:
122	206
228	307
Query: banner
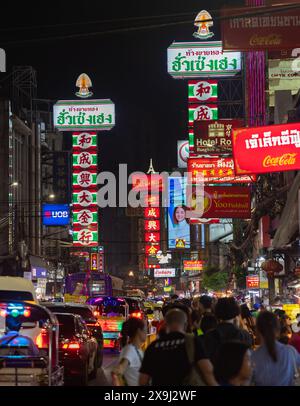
200	91
227	202
214	170
182	153
276	30
202	112
202	59
275	148
211	137
282	69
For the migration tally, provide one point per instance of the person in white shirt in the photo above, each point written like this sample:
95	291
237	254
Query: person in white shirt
134	334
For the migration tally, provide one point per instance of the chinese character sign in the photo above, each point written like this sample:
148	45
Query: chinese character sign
85	212
201	91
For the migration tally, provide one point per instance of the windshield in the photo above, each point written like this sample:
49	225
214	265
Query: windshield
84	312
15	295
66	325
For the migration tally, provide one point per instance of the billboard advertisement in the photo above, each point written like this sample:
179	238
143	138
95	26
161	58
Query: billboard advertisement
212	137
178	224
246	32
190	265
183	150
275	148
202	60
252	282
227	202
165	273
55	214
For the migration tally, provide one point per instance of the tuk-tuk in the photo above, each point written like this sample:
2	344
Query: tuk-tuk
17	369
111	313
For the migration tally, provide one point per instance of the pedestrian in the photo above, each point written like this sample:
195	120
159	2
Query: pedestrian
275	364
206	304
171	360
247	320
134	334
13	343
233	364
295	339
227	312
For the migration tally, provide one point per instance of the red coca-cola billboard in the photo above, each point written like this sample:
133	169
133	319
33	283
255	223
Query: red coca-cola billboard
266	149
257	29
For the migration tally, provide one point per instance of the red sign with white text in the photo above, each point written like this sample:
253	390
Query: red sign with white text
152	249
273	148
145	182
152	225
152	238
252	282
152	212
214	170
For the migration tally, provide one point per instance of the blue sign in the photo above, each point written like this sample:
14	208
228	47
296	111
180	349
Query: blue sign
56	214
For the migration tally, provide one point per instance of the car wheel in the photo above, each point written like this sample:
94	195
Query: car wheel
84	377
93	374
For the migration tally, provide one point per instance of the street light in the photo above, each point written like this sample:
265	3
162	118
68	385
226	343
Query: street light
14	184
52	196
130	273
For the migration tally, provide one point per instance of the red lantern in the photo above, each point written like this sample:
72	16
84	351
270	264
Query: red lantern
271	267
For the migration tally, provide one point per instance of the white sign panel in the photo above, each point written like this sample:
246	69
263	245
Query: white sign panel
165	273
182	153
282	69
75	115
202	60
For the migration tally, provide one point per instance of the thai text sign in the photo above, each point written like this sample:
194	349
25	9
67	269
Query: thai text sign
278	30
193	265
201	59
252	282
276	148
227	202
214	170
200	91
165	273
76	115
211	137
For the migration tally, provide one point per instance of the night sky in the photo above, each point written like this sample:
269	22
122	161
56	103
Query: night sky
129	67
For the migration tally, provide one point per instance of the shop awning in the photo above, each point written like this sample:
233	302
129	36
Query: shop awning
289	222
39	267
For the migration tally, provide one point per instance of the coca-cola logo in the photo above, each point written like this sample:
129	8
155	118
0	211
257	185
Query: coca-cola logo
283	160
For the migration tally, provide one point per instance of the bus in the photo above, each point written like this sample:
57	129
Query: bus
82	285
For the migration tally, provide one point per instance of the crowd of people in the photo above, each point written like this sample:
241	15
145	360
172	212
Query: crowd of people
208	342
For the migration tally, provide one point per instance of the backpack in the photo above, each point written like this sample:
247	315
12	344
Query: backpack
193	378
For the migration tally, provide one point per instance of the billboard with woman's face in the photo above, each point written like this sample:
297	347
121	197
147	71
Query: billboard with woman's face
178	223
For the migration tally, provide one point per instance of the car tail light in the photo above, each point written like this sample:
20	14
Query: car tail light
96	313
42	339
71	346
27	313
137	315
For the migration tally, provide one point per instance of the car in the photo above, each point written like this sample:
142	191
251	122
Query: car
77	348
17	288
136	307
88	315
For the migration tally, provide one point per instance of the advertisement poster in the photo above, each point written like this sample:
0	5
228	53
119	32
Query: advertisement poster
178	224
275	147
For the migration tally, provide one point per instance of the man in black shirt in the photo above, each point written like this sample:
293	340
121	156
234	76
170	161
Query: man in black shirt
227	311
166	361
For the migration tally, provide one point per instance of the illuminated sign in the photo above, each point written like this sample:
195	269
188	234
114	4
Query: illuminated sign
202	60
252	282
212	137
152	212
193	265
152	225
94	261
77	115
56	214
203	21
200	91
202	112
165	273
215	170
275	148
147	182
